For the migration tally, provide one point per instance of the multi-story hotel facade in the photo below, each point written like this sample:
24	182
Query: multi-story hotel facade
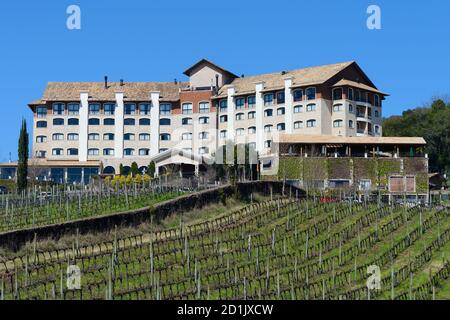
83	128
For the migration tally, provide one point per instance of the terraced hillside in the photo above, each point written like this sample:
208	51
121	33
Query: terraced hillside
276	249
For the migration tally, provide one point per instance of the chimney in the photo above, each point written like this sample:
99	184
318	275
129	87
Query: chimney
121	82
106	82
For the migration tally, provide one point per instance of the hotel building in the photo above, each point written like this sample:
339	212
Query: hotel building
85	128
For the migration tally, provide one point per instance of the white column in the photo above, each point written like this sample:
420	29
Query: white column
230	113
118	120
154	125
83	126
288	103
259	116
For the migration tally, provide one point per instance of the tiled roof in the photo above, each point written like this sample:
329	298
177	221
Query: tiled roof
301	77
302	138
345	82
137	91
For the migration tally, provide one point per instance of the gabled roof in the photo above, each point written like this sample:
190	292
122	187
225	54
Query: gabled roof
188	72
345	82
301	77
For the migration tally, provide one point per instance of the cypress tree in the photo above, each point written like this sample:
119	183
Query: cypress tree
22	165
151	169
134	169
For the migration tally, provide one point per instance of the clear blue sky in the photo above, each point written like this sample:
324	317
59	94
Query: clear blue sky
141	40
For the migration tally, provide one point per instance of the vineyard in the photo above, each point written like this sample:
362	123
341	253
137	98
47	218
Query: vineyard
34	209
274	249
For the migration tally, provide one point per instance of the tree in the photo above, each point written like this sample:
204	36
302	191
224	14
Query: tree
433	124
121	171
134	169
22	165
151	169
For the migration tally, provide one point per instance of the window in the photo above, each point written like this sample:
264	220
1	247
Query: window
350	94
165	109
268	128
223	134
203	150
144	137
128	137
144	152
41	124
109	109
252	114
376	113
41	112
108	122
251	101
58	122
280	97
240	116
144	122
73	109
337	94
187	108
350	123
268	113
203	135
203	120
93	136
94	122
108	136
58	108
240	102
94	109
186	121
251	130
72	152
298	124
364	184
223	105
203	107
73	122
281	111
350	108
163	150
357	95
144	109
41	139
128	152
108	152
267	143
311	93
240	131
311	107
337	123
298	95
164	122
268	99
311	123
57	152
129	122
130	108
298	109
377	129
337	107
376	100
57	136
281	127
186	136
164	137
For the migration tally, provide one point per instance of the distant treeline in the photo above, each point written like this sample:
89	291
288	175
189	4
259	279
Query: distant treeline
432	123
